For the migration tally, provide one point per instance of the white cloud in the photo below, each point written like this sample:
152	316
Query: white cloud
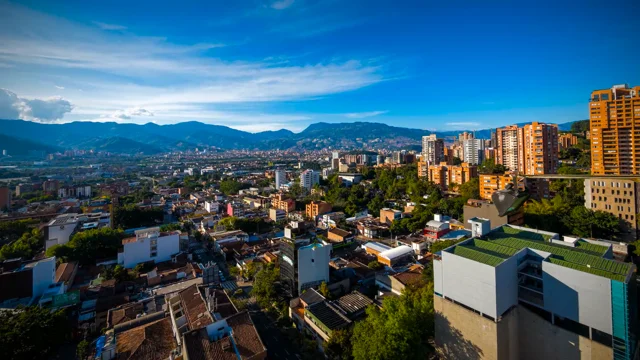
282	4
129	113
42	110
362	115
105	26
59	87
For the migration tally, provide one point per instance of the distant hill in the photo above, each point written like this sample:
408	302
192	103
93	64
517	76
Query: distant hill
152	138
22	147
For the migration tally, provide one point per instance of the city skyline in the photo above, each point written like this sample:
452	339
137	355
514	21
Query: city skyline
287	64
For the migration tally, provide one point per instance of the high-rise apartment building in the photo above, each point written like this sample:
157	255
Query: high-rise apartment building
507	147
566	141
432	149
281	178
531	149
5	198
615	141
473	151
538	149
445	175
519	293
308	178
465	136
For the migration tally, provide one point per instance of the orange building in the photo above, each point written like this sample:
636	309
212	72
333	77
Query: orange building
316	208
423	169
445	175
282	202
615	143
538	149
566	141
490	183
531	149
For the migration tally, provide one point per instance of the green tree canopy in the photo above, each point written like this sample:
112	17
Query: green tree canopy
32	332
26	247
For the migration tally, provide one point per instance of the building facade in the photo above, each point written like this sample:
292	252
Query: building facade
617	196
473	151
518	293
281	178
507	147
432	149
317	208
566	141
538	149
5	198
445	175
149	245
490	183
309	178
614	115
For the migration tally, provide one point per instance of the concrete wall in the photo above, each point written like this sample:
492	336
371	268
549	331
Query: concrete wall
313	264
539	339
577	295
470	283
140	251
463	334
437	276
506	285
59	234
44	274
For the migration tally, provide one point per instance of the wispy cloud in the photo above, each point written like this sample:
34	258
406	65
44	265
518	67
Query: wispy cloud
105	26
59	87
282	4
362	115
470	125
129	113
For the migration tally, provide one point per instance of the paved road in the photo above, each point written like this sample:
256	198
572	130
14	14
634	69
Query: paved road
278	345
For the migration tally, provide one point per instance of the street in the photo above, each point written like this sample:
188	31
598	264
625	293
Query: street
278	345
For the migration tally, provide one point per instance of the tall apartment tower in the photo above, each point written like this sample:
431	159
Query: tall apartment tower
531	149
308	178
507	147
614	115
432	149
538	149
473	151
281	178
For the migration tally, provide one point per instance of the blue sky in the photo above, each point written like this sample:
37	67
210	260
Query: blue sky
264	65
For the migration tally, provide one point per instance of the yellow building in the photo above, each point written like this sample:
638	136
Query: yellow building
445	175
614	116
566	141
490	183
316	208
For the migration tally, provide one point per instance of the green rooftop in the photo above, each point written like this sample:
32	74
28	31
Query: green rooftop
502	243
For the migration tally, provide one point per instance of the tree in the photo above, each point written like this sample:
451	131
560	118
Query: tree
171	227
489	166
376	204
264	285
132	216
339	345
83	349
457	160
230	186
375	265
87	246
400	330
12	230
470	189
25	247
32	332
324	290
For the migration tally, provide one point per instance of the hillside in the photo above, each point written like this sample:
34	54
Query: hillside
22	147
152	138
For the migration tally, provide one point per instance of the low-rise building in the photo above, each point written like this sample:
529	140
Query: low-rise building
283	202
339	238
149	245
490	183
24	282
235	209
486	209
317	208
388	215
277	214
60	230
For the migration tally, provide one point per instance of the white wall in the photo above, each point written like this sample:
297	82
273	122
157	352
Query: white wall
507	284
577	295
44	274
140	250
313	264
59	234
470	283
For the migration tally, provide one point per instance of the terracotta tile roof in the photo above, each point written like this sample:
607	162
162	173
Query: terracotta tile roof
153	341
65	270
223	304
408	278
126	313
244	338
195	307
340	232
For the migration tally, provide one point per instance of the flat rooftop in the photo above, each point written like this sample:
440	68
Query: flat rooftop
505	241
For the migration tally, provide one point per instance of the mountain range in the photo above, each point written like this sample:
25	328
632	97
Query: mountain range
153	139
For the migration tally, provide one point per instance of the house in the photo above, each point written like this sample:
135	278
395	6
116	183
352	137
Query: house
388	215
350	178
435	229
282	202
339	237
149	245
66	274
396	283
25	282
316	208
60	229
277	214
235	209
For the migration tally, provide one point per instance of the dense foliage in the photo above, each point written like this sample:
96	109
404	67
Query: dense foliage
87	246
32	332
12	230
26	247
248	225
264	289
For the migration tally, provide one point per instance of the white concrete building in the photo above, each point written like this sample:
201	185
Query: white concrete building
60	230
212	206
149	245
308	178
473	151
313	265
281	178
